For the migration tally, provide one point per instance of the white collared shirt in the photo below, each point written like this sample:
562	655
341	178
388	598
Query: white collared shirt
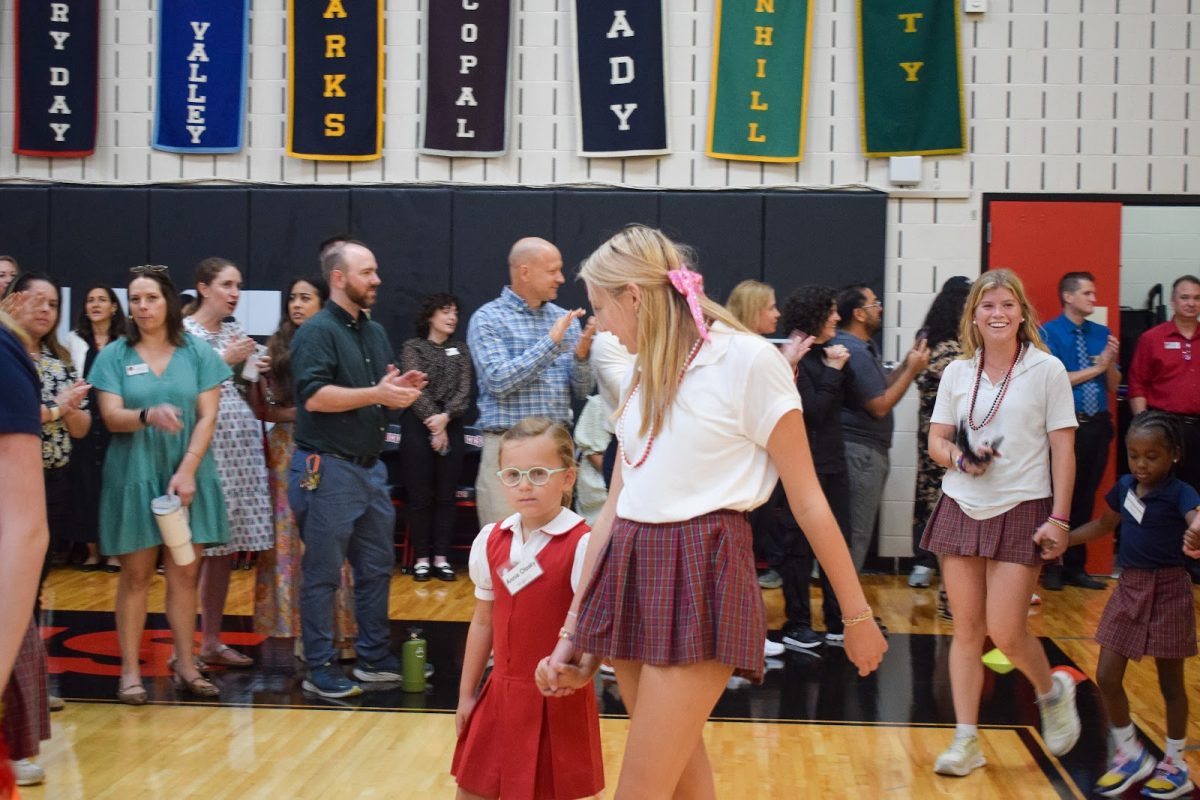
611	363
1038	401
712	451
524	547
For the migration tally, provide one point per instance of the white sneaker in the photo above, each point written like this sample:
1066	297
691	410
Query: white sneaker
920	577
772	648
960	758
1060	718
27	772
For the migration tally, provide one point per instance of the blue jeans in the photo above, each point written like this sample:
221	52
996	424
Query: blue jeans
350	515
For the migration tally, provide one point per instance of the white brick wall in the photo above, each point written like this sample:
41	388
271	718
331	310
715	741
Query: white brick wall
1059	100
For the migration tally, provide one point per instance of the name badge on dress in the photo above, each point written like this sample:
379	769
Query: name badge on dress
137	369
451	351
1135	506
521	575
1172	345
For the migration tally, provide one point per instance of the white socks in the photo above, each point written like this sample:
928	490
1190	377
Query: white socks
1175	751
1126	740
962	731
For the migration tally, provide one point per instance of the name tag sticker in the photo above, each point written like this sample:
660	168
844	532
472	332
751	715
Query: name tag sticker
451	351
1135	506
1172	345
521	575
137	369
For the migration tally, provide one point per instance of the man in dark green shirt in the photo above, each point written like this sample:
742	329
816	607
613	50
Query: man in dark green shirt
346	380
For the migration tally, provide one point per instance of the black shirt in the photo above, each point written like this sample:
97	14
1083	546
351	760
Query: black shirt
824	391
334	349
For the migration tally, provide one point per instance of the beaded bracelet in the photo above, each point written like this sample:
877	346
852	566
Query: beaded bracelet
861	616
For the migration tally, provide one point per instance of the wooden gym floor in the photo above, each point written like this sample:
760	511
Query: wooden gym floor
812	729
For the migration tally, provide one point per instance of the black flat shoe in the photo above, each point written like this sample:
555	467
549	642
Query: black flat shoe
445	572
421	573
90	567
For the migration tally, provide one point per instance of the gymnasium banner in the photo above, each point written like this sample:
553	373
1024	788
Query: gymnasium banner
911	78
759	95
468	49
57	77
620	87
203	48
335	79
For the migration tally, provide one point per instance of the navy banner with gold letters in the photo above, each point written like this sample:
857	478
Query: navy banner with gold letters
335	79
467	56
203	47
57	77
621	93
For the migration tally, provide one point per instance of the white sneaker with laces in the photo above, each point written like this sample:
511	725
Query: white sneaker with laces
1060	717
27	772
961	758
920	577
772	648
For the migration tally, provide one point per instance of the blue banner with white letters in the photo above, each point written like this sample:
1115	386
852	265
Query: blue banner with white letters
203	49
57	77
621	89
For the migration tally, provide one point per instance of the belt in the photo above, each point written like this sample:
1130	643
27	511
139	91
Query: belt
365	462
1099	416
1186	419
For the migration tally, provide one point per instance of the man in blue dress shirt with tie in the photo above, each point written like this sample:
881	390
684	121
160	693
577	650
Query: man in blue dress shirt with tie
1089	352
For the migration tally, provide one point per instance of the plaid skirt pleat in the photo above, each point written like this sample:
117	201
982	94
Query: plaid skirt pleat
26	711
1005	537
1150	613
677	593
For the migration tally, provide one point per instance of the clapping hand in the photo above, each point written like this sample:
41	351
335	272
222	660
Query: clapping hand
797	346
397	391
72	397
836	356
165	417
559	329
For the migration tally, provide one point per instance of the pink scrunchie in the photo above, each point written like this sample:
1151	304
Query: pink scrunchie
691	285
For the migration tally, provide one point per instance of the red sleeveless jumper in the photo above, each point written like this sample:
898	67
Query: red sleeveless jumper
518	744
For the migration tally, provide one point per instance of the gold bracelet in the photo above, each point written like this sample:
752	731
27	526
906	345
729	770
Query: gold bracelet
861	616
566	634
1065	526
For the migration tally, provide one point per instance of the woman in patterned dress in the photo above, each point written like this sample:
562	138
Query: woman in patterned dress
277	582
237	448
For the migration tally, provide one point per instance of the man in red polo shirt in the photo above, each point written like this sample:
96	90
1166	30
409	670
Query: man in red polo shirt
1165	375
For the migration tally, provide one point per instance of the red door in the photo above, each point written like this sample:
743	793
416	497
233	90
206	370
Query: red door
1041	241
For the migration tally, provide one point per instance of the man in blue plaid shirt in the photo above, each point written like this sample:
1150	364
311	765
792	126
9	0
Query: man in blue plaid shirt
530	357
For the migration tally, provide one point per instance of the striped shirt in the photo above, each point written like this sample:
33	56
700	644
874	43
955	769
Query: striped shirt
520	370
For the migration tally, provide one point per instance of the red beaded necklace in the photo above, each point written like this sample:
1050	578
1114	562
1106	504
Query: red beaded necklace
999	396
629	400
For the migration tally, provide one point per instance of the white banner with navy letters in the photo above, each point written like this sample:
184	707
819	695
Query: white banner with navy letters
621	86
203	47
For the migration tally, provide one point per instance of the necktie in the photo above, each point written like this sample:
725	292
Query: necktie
1089	391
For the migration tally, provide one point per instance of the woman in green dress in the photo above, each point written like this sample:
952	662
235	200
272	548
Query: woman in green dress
158	390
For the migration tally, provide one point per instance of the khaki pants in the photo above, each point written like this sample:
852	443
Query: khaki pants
490	501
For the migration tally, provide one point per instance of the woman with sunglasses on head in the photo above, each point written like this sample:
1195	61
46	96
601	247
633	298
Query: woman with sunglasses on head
672	598
237	449
159	390
277	578
431	440
100	323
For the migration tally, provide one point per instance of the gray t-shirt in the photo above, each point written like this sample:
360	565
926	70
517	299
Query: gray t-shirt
858	424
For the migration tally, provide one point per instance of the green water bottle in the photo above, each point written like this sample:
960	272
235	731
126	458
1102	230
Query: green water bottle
412	659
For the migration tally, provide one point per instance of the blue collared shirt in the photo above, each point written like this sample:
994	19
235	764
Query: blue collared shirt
521	371
1059	335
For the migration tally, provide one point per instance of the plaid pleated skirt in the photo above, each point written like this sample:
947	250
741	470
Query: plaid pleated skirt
1005	537
1150	613
677	593
26	711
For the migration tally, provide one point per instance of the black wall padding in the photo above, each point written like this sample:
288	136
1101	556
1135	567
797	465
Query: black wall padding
429	238
25	226
96	234
825	238
190	220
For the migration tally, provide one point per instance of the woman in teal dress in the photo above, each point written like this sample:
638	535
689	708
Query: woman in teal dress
158	390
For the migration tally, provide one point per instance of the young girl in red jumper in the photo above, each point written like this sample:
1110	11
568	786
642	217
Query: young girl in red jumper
512	741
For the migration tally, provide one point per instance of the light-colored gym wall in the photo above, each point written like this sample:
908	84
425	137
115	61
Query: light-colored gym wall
1058	100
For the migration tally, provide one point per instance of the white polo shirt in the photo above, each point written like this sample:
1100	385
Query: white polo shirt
711	453
1038	401
524	547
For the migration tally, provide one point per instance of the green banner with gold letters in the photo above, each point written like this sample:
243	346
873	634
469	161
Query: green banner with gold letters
759	94
910	78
